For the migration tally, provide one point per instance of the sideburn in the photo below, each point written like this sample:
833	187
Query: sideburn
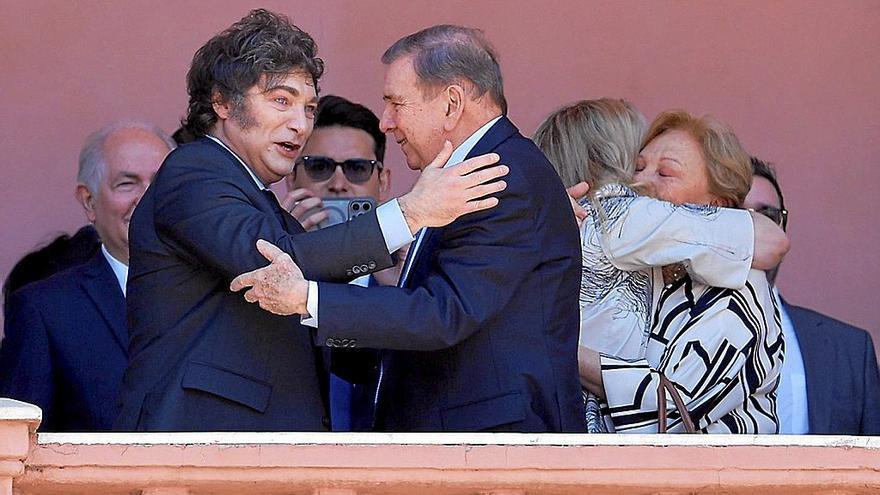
239	111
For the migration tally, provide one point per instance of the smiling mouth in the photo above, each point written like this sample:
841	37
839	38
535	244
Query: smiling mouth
289	149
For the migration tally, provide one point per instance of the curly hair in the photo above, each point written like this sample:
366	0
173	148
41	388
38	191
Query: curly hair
261	48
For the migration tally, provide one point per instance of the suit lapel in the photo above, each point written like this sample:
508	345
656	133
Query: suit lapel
817	354
100	283
256	195
496	134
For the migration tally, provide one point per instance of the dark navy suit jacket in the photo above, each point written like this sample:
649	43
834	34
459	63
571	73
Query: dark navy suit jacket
201	357
843	386
484	334
65	347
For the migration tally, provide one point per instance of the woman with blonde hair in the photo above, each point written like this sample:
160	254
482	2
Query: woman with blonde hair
627	241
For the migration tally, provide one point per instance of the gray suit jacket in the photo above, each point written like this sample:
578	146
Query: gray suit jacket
843	387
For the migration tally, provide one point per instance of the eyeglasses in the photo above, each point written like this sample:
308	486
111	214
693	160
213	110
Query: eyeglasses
778	215
321	168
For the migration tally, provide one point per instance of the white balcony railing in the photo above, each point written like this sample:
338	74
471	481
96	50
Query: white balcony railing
408	463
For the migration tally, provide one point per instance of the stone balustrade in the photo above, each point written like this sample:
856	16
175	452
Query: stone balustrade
434	464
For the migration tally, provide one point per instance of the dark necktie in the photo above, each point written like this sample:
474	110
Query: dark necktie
276	207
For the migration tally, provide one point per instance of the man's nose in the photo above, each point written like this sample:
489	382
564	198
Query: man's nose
386	123
338	181
298	123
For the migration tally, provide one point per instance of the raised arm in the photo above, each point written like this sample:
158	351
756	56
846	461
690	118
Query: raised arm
715	244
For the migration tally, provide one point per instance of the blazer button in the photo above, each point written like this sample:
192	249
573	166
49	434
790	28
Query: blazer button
348	272
364	268
356	269
372	265
330	342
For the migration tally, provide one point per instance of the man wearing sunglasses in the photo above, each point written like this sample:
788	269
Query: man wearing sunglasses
343	158
829	382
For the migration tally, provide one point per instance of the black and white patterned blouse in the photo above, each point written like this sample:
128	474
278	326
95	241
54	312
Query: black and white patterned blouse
715	333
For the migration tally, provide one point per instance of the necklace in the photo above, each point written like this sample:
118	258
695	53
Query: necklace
673	273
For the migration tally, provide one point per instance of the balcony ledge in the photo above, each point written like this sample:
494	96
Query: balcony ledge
437	463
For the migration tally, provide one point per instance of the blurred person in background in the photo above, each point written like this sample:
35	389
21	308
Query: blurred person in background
343	158
66	343
829	382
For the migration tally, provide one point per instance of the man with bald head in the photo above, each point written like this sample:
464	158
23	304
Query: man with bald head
66	340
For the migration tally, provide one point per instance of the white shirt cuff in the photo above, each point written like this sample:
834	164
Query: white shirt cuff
393	225
311	306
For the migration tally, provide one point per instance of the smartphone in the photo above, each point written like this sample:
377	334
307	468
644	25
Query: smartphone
341	210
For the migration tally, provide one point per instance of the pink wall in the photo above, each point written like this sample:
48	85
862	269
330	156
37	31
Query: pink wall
798	80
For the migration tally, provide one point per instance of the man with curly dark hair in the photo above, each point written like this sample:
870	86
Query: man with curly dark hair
201	357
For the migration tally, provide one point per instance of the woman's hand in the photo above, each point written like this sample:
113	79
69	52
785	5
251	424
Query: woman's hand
590	371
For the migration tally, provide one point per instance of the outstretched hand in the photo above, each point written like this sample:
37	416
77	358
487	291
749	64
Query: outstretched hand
279	288
441	195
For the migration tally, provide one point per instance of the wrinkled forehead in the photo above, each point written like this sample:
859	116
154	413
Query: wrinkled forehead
677	142
401	79
134	151
298	79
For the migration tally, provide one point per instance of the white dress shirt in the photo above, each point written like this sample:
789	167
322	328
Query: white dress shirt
791	394
458	155
119	268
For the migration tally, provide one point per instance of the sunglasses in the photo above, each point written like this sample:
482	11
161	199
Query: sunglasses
778	215
321	168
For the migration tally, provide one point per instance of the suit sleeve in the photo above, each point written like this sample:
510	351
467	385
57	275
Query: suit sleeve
210	217
25	357
481	259
871	401
716	244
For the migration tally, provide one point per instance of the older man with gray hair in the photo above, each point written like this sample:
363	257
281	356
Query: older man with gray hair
66	340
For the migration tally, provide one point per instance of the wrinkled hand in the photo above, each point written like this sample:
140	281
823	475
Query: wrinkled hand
441	195
306	208
279	288
575	194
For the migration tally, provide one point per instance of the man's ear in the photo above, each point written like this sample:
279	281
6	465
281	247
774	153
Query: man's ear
87	200
221	105
384	184
454	97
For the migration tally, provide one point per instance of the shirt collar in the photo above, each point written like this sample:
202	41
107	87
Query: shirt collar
243	164
464	149
119	268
